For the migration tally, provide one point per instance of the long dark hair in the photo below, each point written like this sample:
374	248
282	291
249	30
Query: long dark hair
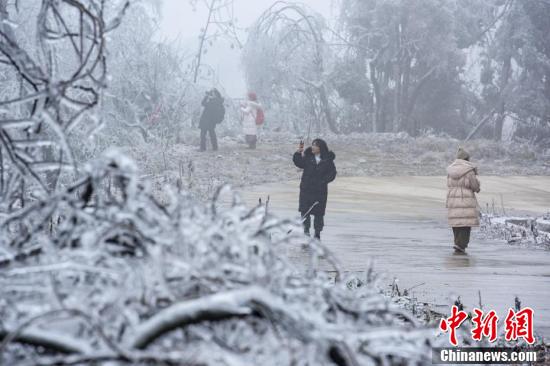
216	93
322	146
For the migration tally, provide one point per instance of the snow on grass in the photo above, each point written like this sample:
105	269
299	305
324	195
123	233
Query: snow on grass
382	154
518	230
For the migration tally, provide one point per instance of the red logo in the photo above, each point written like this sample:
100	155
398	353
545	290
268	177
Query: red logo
484	326
520	325
452	323
517	325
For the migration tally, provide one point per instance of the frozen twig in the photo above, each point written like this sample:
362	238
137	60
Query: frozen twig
48	339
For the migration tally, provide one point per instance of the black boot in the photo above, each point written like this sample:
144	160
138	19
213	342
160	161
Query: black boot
306	223
318	234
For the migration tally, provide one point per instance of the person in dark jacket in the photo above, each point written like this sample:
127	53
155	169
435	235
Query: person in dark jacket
319	170
213	113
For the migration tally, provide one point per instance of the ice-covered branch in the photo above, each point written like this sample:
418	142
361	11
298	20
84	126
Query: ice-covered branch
55	341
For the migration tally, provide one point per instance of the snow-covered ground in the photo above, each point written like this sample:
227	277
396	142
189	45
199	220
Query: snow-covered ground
357	155
526	231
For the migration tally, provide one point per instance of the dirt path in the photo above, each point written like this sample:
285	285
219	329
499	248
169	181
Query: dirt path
358	155
399	223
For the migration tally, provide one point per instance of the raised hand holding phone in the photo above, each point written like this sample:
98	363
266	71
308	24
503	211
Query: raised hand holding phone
301	146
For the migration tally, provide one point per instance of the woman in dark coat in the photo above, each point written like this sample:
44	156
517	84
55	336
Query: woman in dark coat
317	162
213	113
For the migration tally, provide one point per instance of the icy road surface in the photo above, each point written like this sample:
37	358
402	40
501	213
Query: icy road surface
400	224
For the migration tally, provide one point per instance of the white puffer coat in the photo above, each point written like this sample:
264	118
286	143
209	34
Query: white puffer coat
462	184
249	110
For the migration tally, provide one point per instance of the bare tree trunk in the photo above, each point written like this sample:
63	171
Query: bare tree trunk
396	112
501	108
397	78
203	39
377	97
323	98
499	122
405	118
326	109
415	94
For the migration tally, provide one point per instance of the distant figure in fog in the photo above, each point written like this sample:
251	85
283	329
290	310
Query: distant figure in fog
252	116
317	162
213	113
463	212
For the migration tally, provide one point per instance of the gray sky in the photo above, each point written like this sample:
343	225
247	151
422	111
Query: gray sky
179	21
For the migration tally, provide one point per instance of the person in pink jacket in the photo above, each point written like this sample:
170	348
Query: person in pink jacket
249	109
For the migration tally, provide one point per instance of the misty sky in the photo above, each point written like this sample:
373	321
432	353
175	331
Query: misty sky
179	21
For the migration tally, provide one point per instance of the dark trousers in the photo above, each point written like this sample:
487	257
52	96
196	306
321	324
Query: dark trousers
213	138
251	141
462	236
318	223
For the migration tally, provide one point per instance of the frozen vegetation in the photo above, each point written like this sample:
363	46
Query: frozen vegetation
359	154
524	231
118	276
120	243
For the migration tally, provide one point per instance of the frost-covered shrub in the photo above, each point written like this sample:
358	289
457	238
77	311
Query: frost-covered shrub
126	278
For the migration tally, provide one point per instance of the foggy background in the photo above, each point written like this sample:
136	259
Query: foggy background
123	241
182	21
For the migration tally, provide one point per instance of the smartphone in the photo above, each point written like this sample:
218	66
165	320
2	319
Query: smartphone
302	142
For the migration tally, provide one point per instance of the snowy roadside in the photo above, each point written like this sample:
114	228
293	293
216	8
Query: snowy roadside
357	155
530	232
